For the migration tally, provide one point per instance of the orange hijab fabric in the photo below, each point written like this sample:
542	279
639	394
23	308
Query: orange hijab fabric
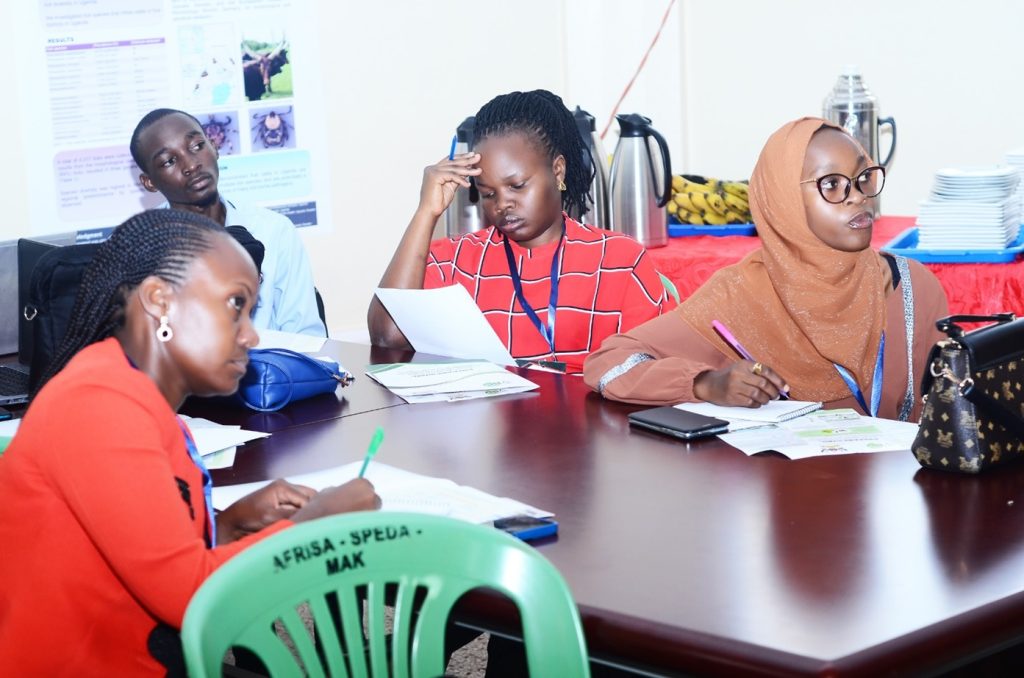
796	304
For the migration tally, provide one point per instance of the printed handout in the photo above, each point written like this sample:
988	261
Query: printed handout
447	381
824	433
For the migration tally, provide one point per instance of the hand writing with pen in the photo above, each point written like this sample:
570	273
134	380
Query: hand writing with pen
748	383
745	383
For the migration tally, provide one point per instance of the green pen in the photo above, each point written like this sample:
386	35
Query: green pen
378	436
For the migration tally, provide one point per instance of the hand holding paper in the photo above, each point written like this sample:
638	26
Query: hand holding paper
444	321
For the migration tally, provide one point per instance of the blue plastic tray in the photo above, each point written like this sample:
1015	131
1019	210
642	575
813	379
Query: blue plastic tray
677	230
905	244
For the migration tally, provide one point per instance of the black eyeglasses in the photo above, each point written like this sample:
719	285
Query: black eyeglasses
835	188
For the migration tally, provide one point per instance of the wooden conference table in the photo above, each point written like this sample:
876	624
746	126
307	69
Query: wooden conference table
694	558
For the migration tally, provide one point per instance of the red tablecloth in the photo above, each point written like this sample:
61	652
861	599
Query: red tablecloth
971	288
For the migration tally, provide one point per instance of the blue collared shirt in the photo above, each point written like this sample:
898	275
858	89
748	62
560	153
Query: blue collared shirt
286	300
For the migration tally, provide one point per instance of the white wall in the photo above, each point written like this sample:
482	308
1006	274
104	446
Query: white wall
948	72
406	73
723	76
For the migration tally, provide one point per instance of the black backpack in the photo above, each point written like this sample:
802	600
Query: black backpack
53	288
52	291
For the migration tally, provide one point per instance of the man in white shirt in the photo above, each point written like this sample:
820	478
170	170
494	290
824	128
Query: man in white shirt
177	160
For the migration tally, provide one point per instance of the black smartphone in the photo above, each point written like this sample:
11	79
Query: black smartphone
5	413
678	423
527	527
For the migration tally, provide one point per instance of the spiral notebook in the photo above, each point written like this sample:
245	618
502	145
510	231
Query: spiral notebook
772	412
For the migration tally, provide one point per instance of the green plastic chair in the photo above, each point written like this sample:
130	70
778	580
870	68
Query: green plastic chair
356	556
669	286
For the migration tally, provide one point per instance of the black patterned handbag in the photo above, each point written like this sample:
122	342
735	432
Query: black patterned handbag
973	415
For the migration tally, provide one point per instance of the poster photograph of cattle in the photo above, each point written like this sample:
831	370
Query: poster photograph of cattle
266	69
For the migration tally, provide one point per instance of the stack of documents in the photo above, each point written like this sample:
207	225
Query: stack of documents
402	491
970	208
215	442
447	381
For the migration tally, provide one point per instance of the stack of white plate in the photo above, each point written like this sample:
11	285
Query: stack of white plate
1015	159
970	208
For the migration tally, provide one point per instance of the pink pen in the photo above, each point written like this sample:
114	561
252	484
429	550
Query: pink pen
726	336
735	345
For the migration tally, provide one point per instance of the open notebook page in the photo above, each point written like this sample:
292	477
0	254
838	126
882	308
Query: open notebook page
774	411
402	491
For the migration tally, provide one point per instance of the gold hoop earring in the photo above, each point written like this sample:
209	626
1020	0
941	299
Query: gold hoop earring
561	186
164	333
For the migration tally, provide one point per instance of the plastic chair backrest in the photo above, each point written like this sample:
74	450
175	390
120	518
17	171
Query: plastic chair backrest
335	561
669	286
321	309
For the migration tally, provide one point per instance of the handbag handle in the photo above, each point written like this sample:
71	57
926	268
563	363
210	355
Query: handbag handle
344	378
948	325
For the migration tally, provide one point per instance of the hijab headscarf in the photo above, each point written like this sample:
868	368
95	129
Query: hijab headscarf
798	305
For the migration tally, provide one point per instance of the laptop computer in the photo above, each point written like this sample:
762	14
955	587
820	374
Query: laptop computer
14	378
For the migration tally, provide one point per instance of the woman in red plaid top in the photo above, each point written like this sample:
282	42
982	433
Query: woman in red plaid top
551	288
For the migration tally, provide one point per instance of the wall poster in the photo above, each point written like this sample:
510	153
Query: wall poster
248	70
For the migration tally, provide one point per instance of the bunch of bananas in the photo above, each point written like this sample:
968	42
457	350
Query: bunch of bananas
706	201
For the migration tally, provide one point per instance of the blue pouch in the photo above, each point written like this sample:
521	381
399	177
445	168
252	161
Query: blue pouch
277	376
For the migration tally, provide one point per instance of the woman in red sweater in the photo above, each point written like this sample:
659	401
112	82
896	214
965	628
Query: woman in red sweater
533	268
106	527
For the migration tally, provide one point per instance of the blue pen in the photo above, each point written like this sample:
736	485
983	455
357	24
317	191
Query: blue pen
451	153
378	436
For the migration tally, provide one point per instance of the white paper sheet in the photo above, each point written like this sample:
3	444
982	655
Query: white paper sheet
300	343
212	437
444	321
771	412
9	427
217	444
447	381
402	491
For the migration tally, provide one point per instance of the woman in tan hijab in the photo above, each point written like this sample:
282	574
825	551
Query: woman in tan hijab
824	316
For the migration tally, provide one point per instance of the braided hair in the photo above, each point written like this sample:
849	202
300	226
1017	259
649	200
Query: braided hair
161	242
543	117
148	120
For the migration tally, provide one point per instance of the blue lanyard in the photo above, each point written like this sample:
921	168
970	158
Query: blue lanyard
546	331
876	383
197	459
210	532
